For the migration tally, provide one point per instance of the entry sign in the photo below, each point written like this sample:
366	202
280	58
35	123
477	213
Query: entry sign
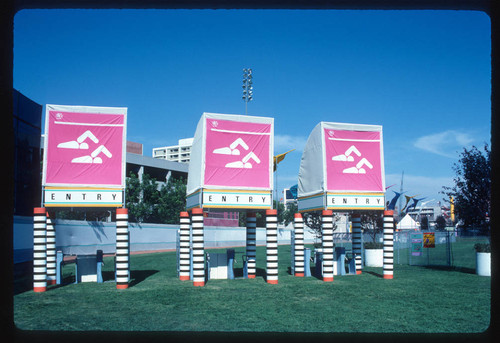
84	147
82	197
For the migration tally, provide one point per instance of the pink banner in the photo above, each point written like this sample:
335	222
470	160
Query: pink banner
85	149
237	154
353	160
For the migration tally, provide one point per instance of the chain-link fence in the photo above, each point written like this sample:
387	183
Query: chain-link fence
424	248
421	248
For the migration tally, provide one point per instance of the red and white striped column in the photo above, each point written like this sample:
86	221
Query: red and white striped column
388	264
272	246
39	250
198	247
356	241
327	239
184	247
122	249
298	226
51	251
251	244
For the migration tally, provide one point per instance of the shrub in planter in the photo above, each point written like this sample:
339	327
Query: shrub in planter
482	247
483	259
373	245
374	254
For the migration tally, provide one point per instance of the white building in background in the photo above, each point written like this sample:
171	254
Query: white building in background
288	197
176	153
431	212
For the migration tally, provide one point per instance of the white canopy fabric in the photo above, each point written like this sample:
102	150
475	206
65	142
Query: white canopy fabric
408	223
312	168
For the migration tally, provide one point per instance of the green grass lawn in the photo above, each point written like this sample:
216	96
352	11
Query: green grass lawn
418	299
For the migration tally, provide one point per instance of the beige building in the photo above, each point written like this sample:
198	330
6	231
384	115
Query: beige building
176	153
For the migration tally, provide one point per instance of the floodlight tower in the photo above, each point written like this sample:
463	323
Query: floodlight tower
247	87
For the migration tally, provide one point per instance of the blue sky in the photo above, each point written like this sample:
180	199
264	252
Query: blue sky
423	75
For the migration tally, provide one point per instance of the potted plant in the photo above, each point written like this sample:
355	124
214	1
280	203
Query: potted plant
483	259
374	254
371	221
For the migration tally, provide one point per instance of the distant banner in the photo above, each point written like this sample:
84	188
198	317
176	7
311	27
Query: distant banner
429	240
84	146
416	244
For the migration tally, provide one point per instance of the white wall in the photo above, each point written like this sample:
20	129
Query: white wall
82	237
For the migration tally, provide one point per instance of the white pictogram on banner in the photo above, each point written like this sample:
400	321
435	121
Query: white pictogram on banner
231	150
80	141
81	144
358	169
244	162
346	157
93	158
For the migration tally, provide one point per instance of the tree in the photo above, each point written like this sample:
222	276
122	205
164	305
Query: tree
172	201
285	215
260	218
147	202
472	189
313	221
86	214
289	213
440	223
141	198
424	223
371	222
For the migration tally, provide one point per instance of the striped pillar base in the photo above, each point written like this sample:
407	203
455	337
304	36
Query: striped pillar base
39	250
388	266
299	244
251	244
184	247
51	251
198	248
272	246
327	239
122	249
356	241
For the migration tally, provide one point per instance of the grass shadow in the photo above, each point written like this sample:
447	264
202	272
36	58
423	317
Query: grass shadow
314	274
108	275
238	272
374	274
25	284
23	278
261	272
22	285
451	269
137	276
465	270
